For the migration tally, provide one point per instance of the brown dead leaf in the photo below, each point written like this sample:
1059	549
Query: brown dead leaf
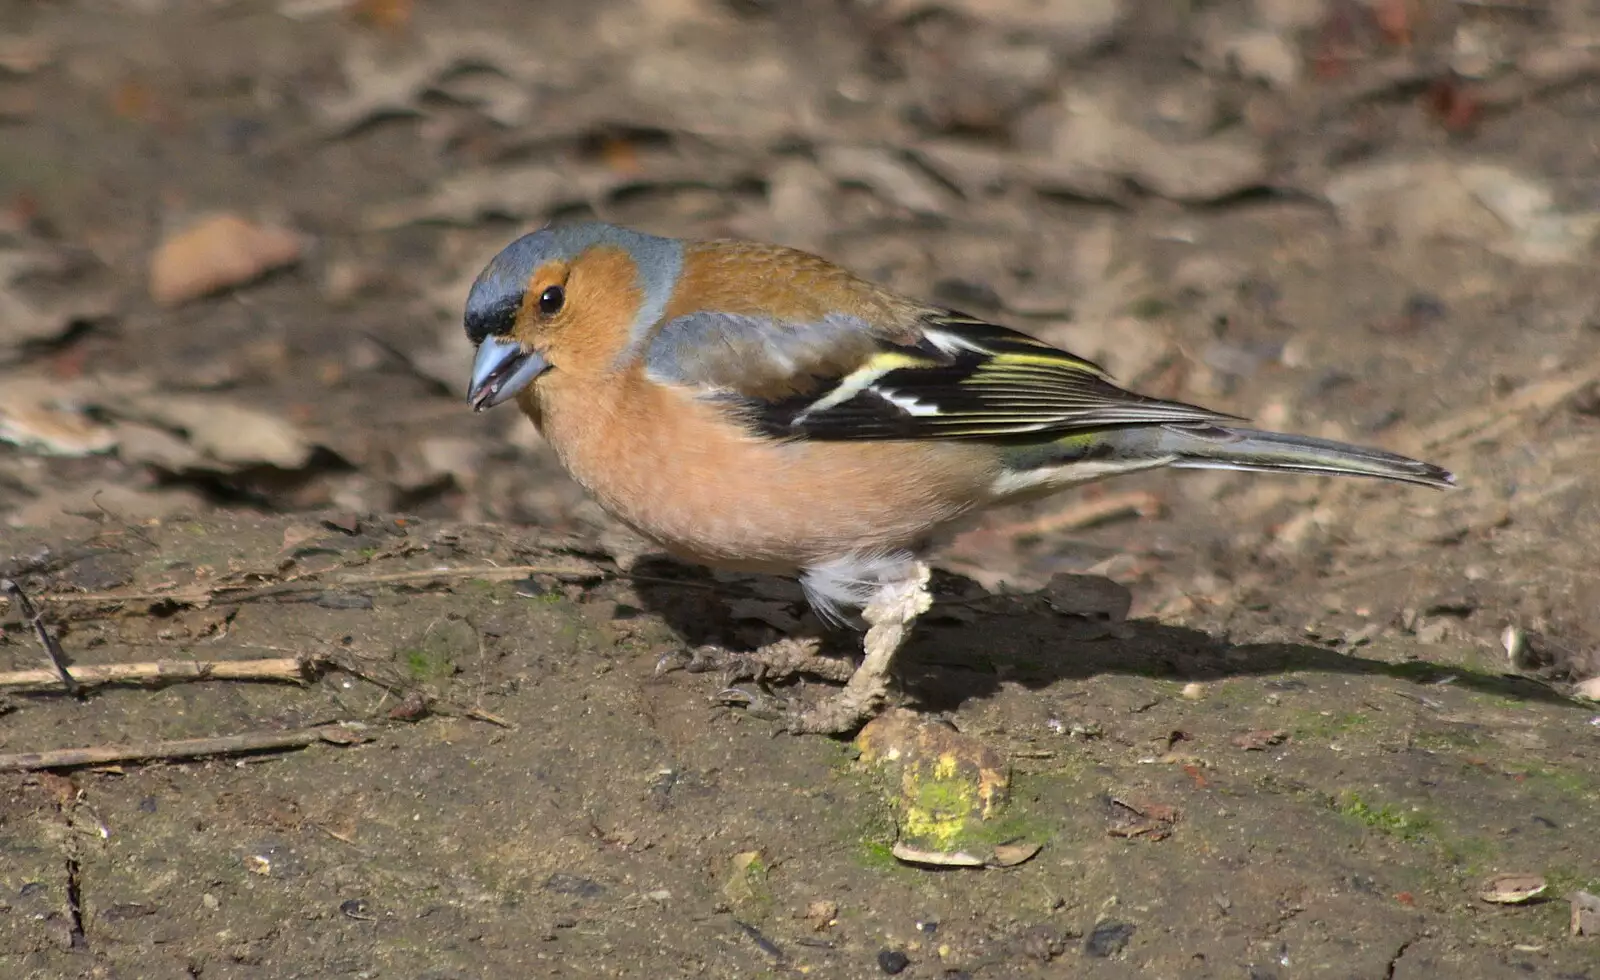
1075	27
40	414
17	104
24	54
621	155
27	316
1154	821
217	253
1013	854
1393	18
887	174
136	100
1088	145
150	445
1513	889
534	190
229	432
296	535
379	82
193	431
1454	105
388	15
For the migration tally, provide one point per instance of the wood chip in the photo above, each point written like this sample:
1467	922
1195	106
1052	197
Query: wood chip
1512	889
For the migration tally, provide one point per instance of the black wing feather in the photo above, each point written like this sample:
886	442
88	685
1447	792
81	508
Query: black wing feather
966	379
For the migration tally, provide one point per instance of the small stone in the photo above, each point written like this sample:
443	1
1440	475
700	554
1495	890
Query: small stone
746	888
1432	633
1264	56
1585	914
562	883
821	914
892	961
210	901
1043	942
1477	51
1193	691
1108	939
1451	605
1514	640
1259	741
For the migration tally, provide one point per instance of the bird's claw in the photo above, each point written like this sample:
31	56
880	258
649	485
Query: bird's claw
704	659
756	704
864	694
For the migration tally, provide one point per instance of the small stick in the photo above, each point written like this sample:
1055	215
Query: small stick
292	669
52	647
243	593
183	748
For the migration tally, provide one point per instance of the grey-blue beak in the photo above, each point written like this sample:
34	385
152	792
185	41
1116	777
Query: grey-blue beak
501	369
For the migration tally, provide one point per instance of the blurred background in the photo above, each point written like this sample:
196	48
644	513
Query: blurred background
236	235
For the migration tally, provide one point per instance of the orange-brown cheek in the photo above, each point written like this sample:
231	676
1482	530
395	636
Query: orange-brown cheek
534	327
603	298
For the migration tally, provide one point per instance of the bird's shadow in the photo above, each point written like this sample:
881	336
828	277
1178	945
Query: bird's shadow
972	641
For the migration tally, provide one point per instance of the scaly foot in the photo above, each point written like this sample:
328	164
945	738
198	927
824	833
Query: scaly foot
893	609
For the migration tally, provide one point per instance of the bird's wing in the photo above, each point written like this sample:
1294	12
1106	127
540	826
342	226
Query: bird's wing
952	376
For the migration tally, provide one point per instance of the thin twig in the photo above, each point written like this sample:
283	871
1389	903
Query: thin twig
183	748
478	714
293	669
431	706
52	647
236	593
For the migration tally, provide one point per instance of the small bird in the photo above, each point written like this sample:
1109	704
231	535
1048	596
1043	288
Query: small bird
754	407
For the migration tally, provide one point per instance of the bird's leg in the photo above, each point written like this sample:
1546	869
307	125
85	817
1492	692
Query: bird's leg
889	615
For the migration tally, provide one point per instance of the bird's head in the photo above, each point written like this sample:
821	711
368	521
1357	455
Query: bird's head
565	298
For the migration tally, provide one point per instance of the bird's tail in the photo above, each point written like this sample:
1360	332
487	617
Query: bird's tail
1217	447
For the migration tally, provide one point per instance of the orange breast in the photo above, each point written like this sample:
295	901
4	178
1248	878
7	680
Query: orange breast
674	469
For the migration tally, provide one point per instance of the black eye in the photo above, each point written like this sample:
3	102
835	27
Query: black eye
551	299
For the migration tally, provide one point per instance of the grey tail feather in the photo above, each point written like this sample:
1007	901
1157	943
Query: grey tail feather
1218	447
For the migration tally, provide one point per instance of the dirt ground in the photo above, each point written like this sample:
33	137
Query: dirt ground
1337	713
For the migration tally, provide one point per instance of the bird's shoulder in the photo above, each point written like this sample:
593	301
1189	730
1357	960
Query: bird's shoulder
767	321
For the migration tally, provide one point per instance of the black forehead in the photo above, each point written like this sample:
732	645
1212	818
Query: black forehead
492	315
498	293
